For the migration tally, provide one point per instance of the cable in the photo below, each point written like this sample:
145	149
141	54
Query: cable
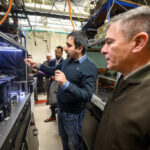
8	11
145	2
131	2
110	9
77	8
121	6
54	35
85	19
59	0
70	15
23	8
58	10
53	4
35	25
65	5
79	19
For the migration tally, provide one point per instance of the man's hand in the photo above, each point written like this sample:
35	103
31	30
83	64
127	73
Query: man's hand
30	75
60	77
31	62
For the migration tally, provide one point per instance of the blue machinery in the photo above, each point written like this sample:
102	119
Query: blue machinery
109	5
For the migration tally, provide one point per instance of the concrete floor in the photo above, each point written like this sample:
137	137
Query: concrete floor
48	136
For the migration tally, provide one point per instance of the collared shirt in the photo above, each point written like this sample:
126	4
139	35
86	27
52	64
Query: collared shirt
81	59
57	61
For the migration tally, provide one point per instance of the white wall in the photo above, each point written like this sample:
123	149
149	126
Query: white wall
45	42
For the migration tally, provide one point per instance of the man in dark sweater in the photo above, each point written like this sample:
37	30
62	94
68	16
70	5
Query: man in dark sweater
77	81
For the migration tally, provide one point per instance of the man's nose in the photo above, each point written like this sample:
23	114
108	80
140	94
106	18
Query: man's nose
104	49
65	48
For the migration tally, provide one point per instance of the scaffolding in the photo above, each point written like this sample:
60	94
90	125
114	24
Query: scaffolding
106	11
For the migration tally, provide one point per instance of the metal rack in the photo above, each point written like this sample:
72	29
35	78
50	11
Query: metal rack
15	105
5	78
106	11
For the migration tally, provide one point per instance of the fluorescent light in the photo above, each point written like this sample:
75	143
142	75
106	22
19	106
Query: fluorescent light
10	50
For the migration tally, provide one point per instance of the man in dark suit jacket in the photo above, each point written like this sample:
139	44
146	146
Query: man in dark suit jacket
53	63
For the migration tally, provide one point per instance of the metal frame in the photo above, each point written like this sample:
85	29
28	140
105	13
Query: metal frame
108	5
15	44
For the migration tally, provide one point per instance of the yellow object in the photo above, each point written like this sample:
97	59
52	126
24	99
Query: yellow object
130	2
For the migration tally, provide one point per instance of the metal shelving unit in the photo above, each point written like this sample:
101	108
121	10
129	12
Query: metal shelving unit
105	12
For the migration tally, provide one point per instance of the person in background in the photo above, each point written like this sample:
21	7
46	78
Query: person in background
48	59
30	56
53	84
77	77
125	124
46	63
32	72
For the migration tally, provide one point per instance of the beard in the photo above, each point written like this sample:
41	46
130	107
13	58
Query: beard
58	57
68	57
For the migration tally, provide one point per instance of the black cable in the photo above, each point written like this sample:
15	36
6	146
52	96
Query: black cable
65	5
60	0
23	8
49	11
35	24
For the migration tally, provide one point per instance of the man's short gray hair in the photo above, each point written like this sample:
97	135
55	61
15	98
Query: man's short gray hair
133	21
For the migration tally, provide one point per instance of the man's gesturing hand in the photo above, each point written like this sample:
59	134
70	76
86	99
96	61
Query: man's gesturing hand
60	77
31	63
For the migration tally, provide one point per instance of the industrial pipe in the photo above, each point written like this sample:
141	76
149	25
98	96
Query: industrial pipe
8	11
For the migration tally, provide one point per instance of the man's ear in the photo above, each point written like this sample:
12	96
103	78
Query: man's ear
140	41
80	48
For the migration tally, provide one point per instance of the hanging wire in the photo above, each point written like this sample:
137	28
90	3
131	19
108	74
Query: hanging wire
121	6
146	2
63	14
54	35
35	25
8	11
23	7
79	19
65	5
70	15
77	8
58	10
53	4
110	9
59	0
136	3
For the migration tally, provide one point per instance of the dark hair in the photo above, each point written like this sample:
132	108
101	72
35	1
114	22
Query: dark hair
29	55
79	40
60	47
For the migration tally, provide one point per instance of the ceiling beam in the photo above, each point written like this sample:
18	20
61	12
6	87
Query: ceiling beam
36	13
